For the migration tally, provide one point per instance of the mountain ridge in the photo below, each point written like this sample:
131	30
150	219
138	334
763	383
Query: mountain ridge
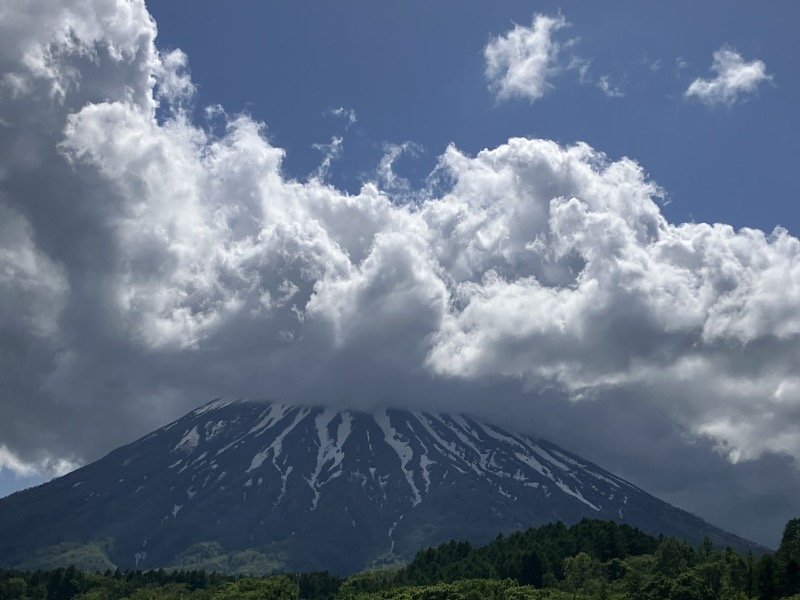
251	485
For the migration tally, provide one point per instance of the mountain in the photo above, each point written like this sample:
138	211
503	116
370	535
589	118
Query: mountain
251	486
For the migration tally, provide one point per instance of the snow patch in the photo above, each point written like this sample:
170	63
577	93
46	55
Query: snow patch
391	531
228	446
500	436
575	493
549	458
284	479
567	459
269	417
212	406
449	448
402	448
424	463
176	509
276	447
213	429
531	461
330	449
505	493
189	441
458	421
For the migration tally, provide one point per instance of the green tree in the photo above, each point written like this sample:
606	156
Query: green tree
766	579
788	559
672	557
582	573
706	548
14	588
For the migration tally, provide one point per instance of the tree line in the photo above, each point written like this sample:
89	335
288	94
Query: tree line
590	560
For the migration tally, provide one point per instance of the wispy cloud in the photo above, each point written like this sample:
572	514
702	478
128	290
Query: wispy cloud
680	65
330	152
608	89
348	114
581	66
520	62
389	179
735	78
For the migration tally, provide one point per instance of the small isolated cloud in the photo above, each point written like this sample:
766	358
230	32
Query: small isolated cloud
519	63
734	79
680	65
581	65
348	114
608	89
8	460
47	464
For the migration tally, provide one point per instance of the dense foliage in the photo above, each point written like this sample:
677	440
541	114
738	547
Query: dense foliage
592	559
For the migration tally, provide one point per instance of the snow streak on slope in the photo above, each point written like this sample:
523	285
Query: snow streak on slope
274	414
330	449
276	447
403	450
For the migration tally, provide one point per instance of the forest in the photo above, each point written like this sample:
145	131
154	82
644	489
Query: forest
589	560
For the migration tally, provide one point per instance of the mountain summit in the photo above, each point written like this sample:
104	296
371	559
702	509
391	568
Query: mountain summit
253	486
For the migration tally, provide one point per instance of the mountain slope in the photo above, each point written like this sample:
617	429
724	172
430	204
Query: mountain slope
255	486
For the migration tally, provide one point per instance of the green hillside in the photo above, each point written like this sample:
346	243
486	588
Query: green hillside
590	560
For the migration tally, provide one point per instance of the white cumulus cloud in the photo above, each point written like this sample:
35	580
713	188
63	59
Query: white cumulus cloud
520	62
734	79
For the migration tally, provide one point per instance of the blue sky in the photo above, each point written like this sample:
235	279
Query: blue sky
414	71
322	203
